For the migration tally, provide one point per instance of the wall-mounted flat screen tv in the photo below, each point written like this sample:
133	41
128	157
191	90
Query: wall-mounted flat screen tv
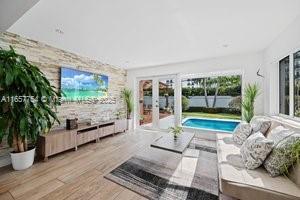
81	85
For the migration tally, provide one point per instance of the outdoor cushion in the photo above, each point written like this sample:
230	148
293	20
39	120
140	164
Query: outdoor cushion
280	159
236	181
255	150
260	124
241	133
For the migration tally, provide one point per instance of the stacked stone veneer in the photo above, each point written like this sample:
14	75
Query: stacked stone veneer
50	60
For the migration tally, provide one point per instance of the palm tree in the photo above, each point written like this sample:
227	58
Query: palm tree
100	82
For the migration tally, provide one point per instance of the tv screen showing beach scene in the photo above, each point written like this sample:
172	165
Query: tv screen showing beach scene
81	85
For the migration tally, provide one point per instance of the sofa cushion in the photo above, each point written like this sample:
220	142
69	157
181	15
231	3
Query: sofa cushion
278	133
236	181
255	150
260	124
241	133
281	157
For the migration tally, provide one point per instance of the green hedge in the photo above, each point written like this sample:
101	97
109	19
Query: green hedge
228	91
214	110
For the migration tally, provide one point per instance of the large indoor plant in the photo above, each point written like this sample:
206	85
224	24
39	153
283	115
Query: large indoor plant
250	95
27	103
128	98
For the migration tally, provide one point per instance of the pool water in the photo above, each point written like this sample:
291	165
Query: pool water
211	124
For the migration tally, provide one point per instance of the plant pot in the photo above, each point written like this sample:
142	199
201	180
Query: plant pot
23	160
129	124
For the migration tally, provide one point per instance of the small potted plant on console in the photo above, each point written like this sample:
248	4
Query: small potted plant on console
176	131
26	106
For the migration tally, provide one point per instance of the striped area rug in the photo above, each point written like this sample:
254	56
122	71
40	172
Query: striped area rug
194	178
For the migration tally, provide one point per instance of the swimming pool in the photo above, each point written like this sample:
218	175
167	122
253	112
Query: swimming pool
211	124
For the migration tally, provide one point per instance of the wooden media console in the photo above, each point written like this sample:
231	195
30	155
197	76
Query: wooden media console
58	141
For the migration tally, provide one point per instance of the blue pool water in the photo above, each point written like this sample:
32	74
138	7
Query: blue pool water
211	124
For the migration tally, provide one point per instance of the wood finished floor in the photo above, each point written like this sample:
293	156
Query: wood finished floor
77	174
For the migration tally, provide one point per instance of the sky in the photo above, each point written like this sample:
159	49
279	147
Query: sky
75	79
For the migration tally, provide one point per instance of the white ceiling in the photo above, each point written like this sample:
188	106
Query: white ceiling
139	33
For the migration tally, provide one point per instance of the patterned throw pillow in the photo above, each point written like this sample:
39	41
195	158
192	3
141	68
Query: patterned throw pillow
255	150
260	124
241	133
281	157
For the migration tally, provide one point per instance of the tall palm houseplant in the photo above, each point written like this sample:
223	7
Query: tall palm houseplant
26	105
250	95
128	98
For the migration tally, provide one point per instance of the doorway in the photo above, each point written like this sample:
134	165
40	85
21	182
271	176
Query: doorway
157	102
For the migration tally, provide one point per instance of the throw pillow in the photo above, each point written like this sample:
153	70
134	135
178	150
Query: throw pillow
278	134
255	150
282	157
241	133
260	124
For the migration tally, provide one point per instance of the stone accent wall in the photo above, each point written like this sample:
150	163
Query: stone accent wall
50	59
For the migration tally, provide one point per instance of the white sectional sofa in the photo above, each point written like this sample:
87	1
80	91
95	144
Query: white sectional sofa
240	183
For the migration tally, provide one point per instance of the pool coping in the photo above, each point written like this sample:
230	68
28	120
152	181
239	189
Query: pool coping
212	130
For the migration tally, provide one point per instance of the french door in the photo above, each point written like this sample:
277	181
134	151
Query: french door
157	102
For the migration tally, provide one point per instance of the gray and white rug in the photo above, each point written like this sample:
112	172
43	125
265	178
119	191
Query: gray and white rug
192	178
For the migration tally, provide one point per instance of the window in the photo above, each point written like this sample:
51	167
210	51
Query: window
289	98
297	84
284	86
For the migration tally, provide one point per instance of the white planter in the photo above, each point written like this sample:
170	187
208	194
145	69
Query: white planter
129	124
22	160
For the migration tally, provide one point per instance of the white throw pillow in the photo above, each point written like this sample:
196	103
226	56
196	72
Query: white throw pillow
255	150
260	124
241	133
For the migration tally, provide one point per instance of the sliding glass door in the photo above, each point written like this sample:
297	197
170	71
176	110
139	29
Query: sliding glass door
156	102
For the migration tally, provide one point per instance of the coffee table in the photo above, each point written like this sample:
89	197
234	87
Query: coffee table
167	142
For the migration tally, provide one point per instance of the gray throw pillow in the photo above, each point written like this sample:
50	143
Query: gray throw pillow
255	150
260	124
241	133
281	158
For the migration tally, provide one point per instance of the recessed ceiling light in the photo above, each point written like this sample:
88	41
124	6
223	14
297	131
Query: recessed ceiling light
59	31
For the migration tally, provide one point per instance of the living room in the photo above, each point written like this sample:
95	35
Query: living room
149	99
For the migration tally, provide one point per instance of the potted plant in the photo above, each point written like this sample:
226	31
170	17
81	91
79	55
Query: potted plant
251	93
127	96
27	103
142	119
176	131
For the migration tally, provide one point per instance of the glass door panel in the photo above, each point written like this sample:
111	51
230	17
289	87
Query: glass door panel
166	104
145	103
156	102
297	84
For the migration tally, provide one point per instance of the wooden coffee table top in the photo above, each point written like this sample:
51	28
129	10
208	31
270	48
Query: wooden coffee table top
167	142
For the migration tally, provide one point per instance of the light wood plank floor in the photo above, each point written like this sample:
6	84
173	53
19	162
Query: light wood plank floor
77	174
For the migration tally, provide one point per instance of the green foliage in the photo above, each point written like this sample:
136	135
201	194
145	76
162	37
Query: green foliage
23	119
128	98
214	110
185	103
176	130
251	92
199	91
236	103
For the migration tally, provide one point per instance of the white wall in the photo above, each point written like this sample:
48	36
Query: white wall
246	64
287	42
